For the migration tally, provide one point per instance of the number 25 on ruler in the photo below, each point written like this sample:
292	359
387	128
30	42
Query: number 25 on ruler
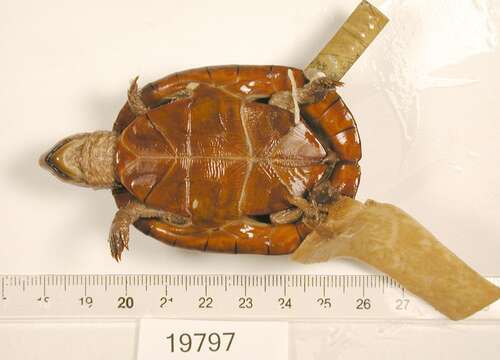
200	342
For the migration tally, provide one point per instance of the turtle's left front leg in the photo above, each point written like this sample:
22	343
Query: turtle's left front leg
126	216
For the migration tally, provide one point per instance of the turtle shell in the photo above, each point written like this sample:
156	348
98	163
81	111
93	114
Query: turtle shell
224	153
214	156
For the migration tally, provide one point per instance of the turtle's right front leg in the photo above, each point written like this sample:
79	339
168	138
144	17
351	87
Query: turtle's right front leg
135	100
126	216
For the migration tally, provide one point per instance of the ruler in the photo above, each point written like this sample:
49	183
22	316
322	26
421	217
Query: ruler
212	296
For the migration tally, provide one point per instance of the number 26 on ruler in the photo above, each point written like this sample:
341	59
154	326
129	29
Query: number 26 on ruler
199	342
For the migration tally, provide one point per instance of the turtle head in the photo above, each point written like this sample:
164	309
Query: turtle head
84	159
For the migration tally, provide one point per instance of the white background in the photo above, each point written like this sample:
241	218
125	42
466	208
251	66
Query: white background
425	96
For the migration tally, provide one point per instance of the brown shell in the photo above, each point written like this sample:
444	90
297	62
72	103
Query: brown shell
215	157
218	155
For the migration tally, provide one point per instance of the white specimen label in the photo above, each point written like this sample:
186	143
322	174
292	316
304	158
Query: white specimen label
196	340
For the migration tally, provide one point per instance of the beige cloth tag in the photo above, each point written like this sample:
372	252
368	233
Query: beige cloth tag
391	241
347	45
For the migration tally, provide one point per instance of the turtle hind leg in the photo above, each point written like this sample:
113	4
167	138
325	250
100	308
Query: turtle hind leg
317	89
314	208
312	92
287	216
126	216
311	208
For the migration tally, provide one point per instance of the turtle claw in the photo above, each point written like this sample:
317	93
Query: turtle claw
118	239
120	227
134	98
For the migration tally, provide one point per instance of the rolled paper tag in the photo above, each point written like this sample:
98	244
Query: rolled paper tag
347	45
391	241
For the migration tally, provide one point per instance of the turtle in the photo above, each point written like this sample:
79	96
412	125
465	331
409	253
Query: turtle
232	158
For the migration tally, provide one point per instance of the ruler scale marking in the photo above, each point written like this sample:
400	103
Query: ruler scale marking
300	301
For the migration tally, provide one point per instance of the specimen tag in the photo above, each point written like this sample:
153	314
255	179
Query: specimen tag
196	340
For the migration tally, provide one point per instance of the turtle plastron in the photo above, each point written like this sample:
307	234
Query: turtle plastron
285	231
